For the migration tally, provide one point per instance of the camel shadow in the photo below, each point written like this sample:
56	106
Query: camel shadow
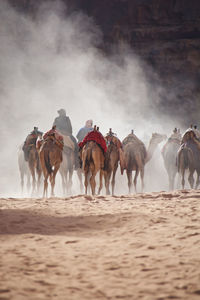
26	222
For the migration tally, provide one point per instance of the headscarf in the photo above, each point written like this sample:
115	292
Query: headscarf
88	123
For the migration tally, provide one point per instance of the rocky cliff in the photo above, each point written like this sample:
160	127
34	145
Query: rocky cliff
166	34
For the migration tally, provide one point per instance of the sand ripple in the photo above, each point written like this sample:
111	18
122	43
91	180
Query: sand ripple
144	246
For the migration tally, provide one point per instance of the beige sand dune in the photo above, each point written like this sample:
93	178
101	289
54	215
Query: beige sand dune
144	246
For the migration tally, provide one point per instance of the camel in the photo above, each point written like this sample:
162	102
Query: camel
66	169
136	156
185	159
23	169
169	154
50	154
34	166
189	158
112	158
92	162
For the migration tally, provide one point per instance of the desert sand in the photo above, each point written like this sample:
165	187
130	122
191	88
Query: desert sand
140	246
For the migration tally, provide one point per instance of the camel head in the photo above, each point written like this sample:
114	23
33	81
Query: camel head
157	138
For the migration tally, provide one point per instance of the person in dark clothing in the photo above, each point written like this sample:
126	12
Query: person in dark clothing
30	140
64	126
63	123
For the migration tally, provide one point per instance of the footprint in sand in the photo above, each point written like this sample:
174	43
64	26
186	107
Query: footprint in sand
71	242
2	291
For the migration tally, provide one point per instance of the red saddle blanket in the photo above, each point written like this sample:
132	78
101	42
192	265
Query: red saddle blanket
54	133
94	136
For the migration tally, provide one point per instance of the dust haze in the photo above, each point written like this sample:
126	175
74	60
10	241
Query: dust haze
53	61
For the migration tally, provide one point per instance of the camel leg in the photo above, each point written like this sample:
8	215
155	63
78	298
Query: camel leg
33	180
86	180
197	181
93	182
79	174
191	178
142	178
183	178
113	179
28	185
53	178
22	180
107	182
181	169
39	180
69	184
170	182
129	177
101	181
171	177
63	183
45	185
135	179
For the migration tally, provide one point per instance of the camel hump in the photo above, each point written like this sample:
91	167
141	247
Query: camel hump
136	143
132	138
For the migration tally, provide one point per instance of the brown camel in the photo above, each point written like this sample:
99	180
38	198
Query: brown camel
92	162
189	158
50	157
66	169
112	158
23	169
185	160
136	156
169	154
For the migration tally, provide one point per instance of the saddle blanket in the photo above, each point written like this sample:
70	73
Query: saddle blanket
95	136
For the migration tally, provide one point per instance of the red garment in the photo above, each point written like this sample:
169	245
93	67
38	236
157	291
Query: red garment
94	136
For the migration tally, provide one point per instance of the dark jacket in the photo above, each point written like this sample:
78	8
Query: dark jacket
63	125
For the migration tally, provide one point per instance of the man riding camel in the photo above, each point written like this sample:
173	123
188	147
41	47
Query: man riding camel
176	135
84	130
64	127
31	140
96	136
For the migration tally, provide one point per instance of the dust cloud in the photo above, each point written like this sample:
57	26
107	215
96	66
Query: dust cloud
52	61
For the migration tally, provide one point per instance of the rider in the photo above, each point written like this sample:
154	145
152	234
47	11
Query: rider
176	135
30	140
53	133
197	132
96	136
84	130
63	125
188	137
111	138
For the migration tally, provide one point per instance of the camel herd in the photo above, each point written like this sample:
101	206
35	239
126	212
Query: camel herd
131	155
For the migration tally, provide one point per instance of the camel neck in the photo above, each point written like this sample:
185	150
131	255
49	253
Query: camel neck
151	148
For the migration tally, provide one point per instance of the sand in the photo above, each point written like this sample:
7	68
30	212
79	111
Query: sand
144	246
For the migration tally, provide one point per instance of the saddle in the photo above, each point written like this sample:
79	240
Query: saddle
68	143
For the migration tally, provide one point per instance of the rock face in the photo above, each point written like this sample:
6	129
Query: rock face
166	34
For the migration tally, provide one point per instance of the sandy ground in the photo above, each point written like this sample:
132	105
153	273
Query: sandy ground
144	246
